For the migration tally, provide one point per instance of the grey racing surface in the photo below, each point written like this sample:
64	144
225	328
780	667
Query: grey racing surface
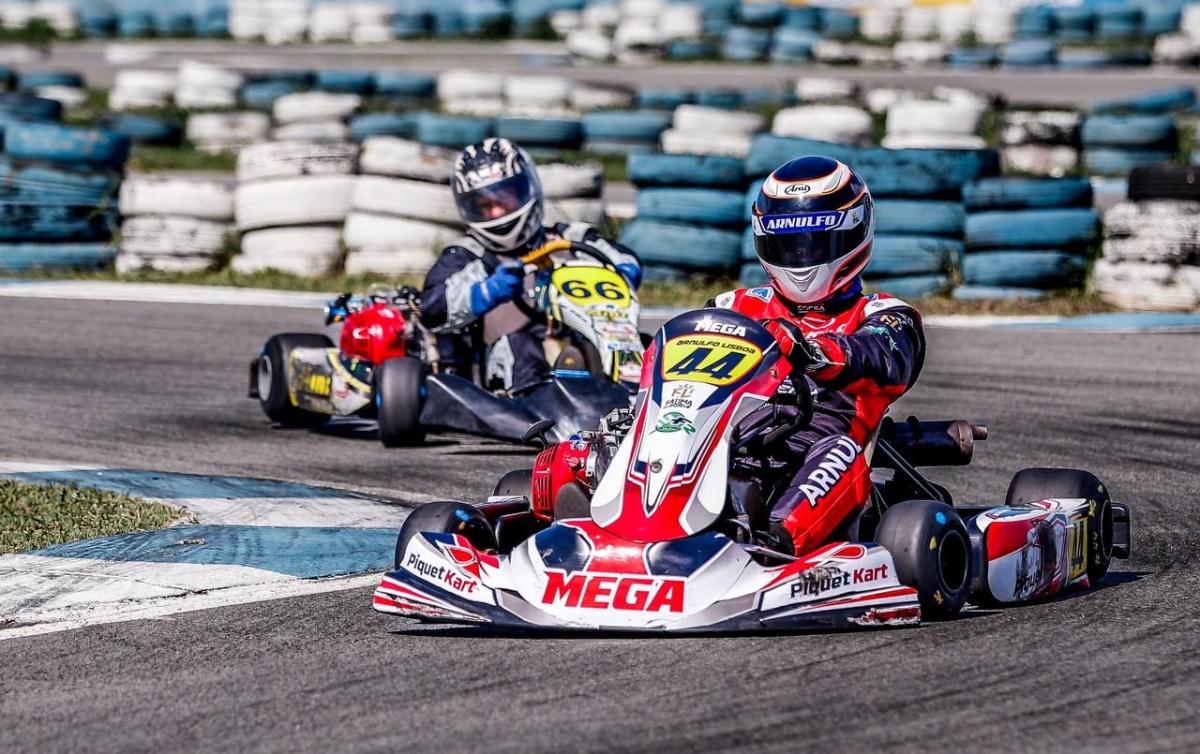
152	386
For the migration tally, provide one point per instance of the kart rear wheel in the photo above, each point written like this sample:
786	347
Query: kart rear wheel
518	482
446	517
271	372
929	544
1032	485
399	384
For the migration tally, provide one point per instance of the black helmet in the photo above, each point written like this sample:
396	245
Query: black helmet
498	194
814	224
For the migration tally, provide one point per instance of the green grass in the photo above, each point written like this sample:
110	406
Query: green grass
615	165
33	516
149	159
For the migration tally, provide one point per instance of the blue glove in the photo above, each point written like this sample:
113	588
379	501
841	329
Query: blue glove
632	273
500	287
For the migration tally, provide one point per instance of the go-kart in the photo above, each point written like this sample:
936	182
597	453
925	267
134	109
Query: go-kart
386	365
642	525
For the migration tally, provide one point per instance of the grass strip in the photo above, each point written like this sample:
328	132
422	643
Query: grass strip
33	516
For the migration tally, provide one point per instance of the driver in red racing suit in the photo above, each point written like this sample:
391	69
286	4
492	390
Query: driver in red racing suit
814	225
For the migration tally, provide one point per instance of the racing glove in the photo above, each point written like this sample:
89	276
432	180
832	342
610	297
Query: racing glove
499	288
632	273
805	354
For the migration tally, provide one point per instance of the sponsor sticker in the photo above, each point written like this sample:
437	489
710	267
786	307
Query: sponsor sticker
440	574
602	591
675	422
717	359
591	285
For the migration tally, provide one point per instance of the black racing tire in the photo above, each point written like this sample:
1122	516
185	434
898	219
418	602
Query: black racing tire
1151	182
399	383
446	517
518	482
932	552
1032	485
271	374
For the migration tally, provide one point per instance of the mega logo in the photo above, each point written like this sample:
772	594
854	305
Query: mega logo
708	324
600	591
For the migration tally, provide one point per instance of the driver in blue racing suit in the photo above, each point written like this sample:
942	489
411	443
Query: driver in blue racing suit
468	294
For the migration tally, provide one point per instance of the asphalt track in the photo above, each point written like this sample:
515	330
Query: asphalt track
158	386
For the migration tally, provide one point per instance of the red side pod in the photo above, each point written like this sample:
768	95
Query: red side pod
374	334
554	467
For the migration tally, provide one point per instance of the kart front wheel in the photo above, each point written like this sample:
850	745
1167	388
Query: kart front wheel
446	517
1032	485
271	375
929	545
399	383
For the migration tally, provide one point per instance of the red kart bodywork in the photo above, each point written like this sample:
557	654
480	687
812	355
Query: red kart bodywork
374	334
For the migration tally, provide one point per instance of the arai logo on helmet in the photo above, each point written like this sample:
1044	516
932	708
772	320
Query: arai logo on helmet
796	188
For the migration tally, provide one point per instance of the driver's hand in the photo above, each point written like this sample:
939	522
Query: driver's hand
803	353
499	288
632	273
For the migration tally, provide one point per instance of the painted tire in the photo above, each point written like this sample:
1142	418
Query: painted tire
1110	161
313	130
752	275
536	91
995	293
30	81
144	130
454	131
1129	131
932	218
23	257
840	124
561	180
21	221
228	129
398	196
1150	182
43	183
396	261
308	251
383	124
691	205
705	171
715	122
911	286
748	253
687	246
1024	269
388	233
725	99
310	106
1168	100
589	211
663	100
28	107
745	44
293	159
895	256
53	143
397	83
677	141
401	158
261	95
345	82
164	236
1026	193
633	125
204	199
1035	228
310	200
1031	53
1037	127
541	132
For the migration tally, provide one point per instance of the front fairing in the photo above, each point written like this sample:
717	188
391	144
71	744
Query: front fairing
597	304
710	369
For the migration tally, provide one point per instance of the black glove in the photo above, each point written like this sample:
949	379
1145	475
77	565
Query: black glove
806	355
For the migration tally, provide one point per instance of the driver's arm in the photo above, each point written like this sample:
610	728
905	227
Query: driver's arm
446	297
882	357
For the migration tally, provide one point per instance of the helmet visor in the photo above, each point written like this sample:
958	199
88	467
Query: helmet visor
810	239
496	201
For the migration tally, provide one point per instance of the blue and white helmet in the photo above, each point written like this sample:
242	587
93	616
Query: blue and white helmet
498	194
814	224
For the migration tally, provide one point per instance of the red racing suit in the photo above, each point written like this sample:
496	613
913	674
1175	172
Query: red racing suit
877	348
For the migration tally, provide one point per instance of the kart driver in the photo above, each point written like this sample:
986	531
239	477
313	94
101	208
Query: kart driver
468	293
813	225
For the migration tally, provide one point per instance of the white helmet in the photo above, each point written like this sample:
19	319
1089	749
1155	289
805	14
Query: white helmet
498	194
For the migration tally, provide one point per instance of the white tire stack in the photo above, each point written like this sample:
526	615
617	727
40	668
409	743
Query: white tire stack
878	24
314	116
403	213
841	124
1039	142
573	192
933	125
824	89
584	98
72	98
590	44
278	21
221	132
173	224
466	92
917	54
1151	254
203	86
995	24
536	91
681	22
696	129
136	88
954	22
291	202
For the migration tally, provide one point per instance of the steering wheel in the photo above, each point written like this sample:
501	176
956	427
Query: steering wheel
541	258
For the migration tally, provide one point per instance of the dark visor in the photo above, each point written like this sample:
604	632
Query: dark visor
809	249
493	202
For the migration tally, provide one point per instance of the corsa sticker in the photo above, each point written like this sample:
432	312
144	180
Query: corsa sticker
712	359
591	285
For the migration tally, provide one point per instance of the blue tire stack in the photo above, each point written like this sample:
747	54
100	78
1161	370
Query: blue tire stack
1027	236
1115	144
624	131
690	211
58	206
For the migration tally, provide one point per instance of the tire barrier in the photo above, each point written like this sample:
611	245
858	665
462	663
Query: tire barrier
308	251
142	129
315	130
1025	268
401	158
453	131
835	123
565	133
21	106
383	124
921	218
174	224
1034	228
685	246
996	293
1147	286
220	132
571	181
315	106
911	287
26	257
1180	182
1026	193
295	159
1113	161
1156	231
309	200
900	256
703	171
701	206
1166	101
54	143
